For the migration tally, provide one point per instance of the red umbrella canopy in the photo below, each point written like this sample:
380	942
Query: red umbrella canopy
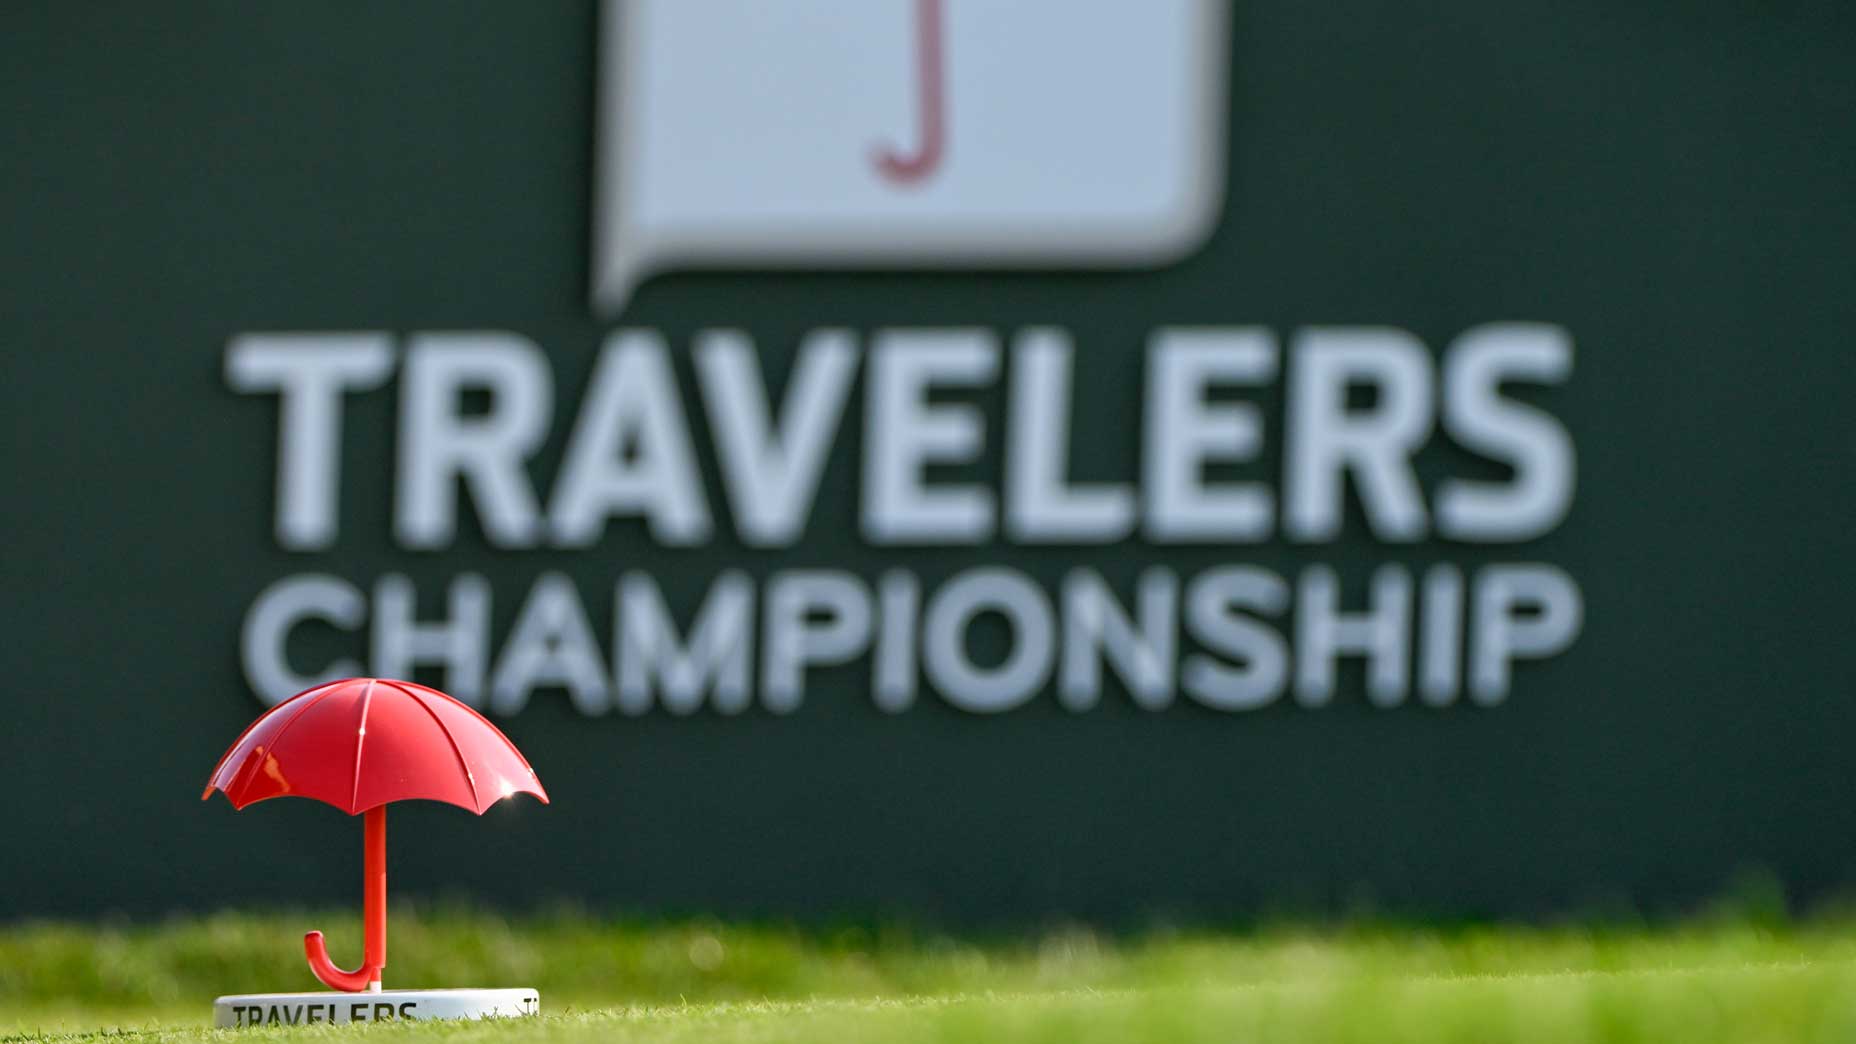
362	742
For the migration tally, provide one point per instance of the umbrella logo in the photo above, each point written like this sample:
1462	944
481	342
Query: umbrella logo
360	744
904	168
905	134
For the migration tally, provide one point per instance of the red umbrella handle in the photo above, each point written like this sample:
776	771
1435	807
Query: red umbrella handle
374	916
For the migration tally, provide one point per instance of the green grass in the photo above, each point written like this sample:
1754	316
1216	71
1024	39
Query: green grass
1717	979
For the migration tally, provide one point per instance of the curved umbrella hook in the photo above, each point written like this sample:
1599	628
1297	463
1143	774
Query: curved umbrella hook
931	103
374	917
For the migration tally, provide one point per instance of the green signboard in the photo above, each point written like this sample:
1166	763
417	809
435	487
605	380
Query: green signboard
965	460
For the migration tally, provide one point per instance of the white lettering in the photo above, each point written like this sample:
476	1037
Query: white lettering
310	373
630	452
439	442
1533	442
1213	599
1027	666
1097	628
904	434
552	644
276	612
1184	432
1040	504
1326	439
771	473
1324	634
717	656
1555	612
401	643
795	638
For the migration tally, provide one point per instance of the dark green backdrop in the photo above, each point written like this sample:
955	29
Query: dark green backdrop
1671	182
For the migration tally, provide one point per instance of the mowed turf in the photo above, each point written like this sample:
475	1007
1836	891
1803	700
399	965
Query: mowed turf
1719	979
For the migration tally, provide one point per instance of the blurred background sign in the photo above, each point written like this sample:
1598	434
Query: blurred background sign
906	133
1016	460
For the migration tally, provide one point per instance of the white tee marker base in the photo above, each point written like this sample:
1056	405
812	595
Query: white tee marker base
308	1009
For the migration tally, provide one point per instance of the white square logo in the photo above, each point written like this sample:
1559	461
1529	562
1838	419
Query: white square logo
905	134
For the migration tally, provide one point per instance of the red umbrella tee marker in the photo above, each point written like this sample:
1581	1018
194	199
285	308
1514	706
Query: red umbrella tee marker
359	744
